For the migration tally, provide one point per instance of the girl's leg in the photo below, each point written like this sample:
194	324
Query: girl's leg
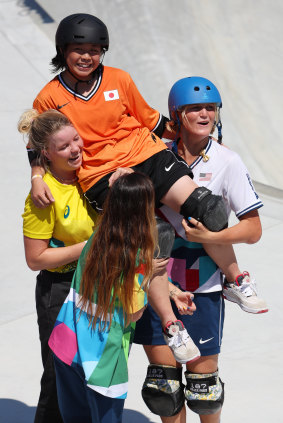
178	193
158	295
158	289
206	365
175	334
50	296
211	418
81	404
240	290
224	257
104	409
188	199
71	391
178	418
162	355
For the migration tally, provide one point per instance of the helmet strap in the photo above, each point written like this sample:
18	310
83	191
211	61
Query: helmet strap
175	144
219	128
89	81
177	136
218	125
102	56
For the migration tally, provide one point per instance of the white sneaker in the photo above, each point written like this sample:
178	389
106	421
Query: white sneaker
243	292
180	342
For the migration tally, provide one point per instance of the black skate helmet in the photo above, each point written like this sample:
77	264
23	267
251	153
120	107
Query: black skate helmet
81	28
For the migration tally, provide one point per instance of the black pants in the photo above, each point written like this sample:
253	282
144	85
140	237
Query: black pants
81	404
51	291
163	168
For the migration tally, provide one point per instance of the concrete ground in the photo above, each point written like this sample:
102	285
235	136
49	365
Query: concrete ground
239	47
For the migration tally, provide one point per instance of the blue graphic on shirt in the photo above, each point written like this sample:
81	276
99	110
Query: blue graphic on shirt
67	212
251	184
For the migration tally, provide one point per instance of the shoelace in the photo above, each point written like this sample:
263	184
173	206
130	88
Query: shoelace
178	339
248	287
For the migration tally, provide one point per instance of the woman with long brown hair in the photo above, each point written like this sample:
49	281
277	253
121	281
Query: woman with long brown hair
55	236
93	330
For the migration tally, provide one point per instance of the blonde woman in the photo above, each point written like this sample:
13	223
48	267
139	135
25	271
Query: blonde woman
55	236
194	105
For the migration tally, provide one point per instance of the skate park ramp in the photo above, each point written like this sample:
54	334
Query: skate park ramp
236	44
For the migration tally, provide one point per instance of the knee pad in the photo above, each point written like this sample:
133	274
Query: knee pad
204	392
206	207
163	391
166	237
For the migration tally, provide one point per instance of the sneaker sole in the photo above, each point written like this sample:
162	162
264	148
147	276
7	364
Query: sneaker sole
195	358
245	308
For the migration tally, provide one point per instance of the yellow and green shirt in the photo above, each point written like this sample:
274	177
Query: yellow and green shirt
65	222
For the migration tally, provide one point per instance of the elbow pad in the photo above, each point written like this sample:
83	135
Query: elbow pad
206	207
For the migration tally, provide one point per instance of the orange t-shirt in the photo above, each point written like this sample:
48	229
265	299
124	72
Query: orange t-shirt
114	122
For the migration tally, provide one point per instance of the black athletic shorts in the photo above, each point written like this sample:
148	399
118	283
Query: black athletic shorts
163	168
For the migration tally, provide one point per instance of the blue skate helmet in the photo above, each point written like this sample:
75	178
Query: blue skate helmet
193	90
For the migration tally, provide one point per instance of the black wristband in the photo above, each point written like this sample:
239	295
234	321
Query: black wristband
32	155
161	127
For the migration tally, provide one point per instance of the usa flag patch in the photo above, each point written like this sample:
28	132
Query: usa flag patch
111	95
205	176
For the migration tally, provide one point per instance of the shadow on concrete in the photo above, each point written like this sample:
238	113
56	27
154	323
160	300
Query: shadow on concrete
32	5
13	411
130	416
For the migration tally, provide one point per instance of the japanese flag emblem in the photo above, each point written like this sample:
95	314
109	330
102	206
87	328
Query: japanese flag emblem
111	95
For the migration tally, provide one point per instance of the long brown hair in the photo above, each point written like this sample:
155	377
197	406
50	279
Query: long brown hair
125	240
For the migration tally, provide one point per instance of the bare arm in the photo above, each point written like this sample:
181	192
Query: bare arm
40	192
248	231
39	256
134	317
182	299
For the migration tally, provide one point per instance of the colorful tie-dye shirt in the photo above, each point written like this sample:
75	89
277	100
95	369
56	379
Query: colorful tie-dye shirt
103	354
